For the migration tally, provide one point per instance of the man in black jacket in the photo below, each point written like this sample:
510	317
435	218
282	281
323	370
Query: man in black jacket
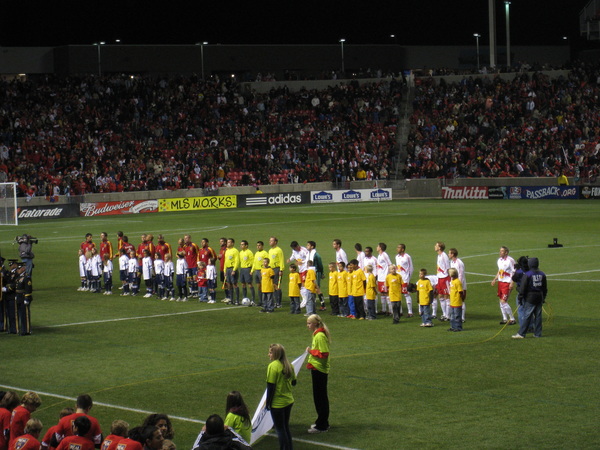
214	436
533	290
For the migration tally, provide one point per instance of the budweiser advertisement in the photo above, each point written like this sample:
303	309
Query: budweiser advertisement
465	193
115	208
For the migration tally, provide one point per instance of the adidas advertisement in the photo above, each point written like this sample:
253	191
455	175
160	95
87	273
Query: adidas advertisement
287	198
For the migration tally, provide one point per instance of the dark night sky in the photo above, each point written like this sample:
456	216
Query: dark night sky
50	23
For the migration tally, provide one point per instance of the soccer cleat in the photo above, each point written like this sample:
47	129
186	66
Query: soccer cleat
518	336
172	299
164	298
322	308
226	300
410	315
434	317
350	316
503	322
315	430
184	299
124	294
422	325
512	322
428	325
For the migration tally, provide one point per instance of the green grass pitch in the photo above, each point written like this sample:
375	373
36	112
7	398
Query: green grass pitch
390	386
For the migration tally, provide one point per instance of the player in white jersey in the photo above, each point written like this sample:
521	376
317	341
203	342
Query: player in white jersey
405	269
456	263
370	260
506	269
82	272
340	254
383	265
360	256
443	285
159	276
168	278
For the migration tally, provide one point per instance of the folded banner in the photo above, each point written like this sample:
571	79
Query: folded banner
262	422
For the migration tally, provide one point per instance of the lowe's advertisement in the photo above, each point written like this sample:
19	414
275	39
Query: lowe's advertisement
351	195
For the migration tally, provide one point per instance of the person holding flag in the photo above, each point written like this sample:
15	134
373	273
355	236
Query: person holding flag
280	379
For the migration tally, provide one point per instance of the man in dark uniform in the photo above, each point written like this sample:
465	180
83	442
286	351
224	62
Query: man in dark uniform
3	278
9	296
533	290
23	299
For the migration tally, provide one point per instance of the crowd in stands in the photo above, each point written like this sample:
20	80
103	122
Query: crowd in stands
525	126
66	135
76	135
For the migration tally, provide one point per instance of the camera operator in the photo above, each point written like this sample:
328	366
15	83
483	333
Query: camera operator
25	251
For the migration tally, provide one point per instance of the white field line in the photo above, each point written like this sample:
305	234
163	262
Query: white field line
141	411
137	317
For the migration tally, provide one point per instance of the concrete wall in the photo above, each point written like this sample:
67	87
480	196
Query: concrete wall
306	60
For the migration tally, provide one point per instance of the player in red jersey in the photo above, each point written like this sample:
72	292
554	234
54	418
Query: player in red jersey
65	425
126	245
206	252
106	247
191	251
163	248
88	244
21	415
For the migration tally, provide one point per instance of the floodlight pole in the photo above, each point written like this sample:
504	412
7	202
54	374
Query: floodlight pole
507	12
343	66
492	26
477	36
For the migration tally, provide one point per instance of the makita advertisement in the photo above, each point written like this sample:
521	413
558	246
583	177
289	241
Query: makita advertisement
48	212
465	193
351	195
287	198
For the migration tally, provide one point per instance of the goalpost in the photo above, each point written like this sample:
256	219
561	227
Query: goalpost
8	204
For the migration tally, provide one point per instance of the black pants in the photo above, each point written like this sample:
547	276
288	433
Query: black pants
319	381
281	420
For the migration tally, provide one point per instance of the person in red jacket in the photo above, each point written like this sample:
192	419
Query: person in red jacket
47	439
65	425
21	415
9	402
78	441
29	440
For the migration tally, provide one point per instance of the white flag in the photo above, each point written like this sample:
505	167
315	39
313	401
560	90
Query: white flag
262	421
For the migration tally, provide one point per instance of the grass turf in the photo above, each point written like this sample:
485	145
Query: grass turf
390	386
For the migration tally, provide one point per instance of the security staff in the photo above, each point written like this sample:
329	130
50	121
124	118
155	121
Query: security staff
3	279
23	299
9	296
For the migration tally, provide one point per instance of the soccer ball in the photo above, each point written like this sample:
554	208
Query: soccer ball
246	302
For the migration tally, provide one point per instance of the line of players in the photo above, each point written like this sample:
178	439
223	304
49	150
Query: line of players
194	273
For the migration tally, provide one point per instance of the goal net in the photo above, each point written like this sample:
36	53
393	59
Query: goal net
8	204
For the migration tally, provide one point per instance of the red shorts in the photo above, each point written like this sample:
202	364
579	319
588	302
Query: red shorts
303	276
443	286
381	287
503	290
405	288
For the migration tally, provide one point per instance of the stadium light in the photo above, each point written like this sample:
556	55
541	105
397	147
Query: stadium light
343	66
477	36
